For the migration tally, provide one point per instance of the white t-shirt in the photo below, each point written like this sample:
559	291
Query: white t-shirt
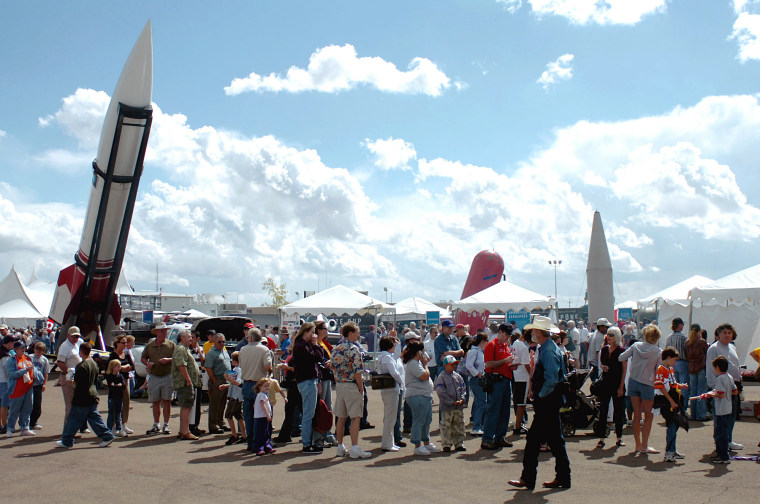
430	350
584	335
68	353
521	351
258	410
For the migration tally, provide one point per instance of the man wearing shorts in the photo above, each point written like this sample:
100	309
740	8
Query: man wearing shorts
157	358
185	377
521	376
347	366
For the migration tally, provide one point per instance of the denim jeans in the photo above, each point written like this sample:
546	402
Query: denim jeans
583	355
249	397
79	417
397	428
497	411
20	409
721	435
308	390
670	437
422	416
114	413
479	404
36	405
697	386
681	367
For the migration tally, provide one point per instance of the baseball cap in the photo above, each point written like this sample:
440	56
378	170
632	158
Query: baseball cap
447	323
449	359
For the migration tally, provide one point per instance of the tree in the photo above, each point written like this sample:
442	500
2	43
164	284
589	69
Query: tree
278	292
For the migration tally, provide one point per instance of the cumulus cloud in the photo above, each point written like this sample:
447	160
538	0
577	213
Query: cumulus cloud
333	68
3	134
556	71
81	116
608	12
746	29
391	154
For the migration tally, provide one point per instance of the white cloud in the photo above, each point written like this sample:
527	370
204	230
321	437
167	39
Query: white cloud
557	70
3	134
607	12
746	29
81	116
64	161
391	154
627	236
335	68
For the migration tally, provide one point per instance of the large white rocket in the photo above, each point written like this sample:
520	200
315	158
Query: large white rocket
84	294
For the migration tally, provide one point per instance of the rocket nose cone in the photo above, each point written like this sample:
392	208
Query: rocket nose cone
135	85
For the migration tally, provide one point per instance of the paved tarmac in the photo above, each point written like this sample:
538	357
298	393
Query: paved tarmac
152	469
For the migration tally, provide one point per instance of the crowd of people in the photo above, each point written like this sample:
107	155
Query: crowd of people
502	368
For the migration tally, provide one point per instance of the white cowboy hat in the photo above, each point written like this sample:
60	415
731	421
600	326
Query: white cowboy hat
542	323
158	327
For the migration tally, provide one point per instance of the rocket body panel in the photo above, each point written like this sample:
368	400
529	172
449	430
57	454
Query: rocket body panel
601	300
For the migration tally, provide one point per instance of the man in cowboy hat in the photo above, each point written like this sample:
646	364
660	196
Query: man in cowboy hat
498	359
157	358
546	390
595	344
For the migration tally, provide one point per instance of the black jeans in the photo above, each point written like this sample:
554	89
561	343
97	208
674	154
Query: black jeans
36	405
198	406
546	428
294	401
618	416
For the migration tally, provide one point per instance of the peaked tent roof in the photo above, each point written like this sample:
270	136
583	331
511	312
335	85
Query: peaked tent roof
504	296
15	305
338	300
410	307
40	293
678	293
742	287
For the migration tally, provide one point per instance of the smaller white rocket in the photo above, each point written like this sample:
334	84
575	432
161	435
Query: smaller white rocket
601	301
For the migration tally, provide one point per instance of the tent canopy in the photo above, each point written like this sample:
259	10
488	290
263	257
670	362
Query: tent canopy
676	294
335	300
742	287
193	314
17	306
504	296
414	308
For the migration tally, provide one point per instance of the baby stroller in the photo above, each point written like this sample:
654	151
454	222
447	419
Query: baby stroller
579	411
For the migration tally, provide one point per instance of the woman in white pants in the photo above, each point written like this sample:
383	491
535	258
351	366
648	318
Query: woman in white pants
387	364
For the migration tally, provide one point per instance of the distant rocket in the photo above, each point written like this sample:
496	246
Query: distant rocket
601	302
487	269
84	294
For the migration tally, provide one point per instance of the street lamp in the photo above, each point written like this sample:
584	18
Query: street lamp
555	263
386	294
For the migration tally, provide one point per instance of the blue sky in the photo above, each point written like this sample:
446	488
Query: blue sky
427	135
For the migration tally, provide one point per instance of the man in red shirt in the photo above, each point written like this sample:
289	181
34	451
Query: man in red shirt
498	361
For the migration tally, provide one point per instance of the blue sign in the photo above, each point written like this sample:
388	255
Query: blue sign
624	313
433	318
148	317
522	318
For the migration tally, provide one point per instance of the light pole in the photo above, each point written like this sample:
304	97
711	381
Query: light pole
386	294
555	263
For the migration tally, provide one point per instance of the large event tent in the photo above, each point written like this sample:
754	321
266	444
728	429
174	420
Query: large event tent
504	296
673	301
335	300
734	299
17	301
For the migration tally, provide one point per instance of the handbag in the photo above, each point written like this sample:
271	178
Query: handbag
596	388
382	381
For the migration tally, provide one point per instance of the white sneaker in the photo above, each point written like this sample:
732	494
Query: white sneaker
670	457
166	429
103	444
37	427
9	434
127	429
27	432
432	448
357	452
59	444
85	431
393	448
421	450
735	446
119	433
342	450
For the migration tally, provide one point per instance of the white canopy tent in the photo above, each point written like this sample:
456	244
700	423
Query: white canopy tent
193	314
17	307
504	296
734	299
335	300
415	308
673	301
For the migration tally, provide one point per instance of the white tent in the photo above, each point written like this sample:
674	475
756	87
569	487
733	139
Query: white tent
675	294
40	293
335	300
734	299
16	307
415	308
193	314
504	296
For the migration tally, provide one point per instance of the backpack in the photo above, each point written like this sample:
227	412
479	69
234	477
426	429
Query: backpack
323	418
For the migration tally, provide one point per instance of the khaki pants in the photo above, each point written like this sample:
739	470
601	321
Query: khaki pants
452	427
390	410
67	388
217	400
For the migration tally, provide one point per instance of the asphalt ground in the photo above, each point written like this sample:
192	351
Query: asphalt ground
160	468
